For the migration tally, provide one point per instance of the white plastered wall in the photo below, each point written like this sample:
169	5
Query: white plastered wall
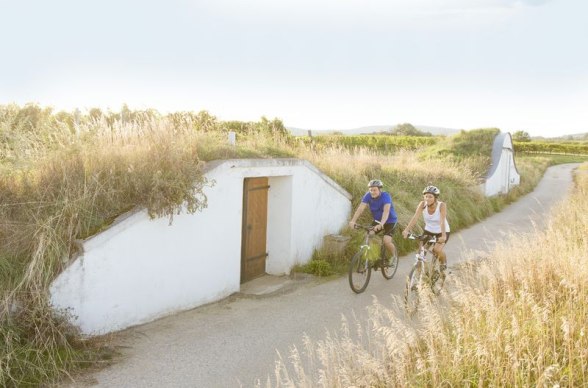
141	269
504	175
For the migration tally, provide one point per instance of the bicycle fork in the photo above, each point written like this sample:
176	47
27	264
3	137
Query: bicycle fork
419	269
364	264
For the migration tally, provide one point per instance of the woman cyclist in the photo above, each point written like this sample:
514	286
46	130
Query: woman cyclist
435	215
382	208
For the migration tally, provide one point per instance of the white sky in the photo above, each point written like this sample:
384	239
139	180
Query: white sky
315	64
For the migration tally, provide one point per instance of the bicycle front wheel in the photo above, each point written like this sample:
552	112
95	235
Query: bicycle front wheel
413	285
360	271
388	266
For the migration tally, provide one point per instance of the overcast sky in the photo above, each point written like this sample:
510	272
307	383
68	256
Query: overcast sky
315	64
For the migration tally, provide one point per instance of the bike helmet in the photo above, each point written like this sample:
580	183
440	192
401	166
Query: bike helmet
432	190
375	183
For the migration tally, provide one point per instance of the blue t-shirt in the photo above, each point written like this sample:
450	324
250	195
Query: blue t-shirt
376	205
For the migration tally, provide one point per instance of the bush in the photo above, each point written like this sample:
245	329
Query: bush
318	267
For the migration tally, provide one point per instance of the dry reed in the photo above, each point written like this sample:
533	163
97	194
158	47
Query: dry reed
517	318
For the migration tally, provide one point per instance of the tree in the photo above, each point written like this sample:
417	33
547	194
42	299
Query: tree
31	117
95	114
521	136
407	129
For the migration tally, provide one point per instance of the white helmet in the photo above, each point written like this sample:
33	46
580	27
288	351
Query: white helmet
432	190
376	183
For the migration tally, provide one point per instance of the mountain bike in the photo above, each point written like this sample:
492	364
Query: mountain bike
424	273
362	263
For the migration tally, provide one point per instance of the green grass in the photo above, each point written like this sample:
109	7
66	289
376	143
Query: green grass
558	159
473	148
409	174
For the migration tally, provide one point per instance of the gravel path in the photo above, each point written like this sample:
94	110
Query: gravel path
234	342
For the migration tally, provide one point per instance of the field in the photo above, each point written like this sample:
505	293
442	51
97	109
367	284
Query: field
66	176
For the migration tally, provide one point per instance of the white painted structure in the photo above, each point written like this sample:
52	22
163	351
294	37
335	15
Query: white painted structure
141	269
503	173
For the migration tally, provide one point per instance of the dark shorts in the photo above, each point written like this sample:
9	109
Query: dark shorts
438	235
388	229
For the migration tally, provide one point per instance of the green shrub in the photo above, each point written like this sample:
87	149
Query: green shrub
318	267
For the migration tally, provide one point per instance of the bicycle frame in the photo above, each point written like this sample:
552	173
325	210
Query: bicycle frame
361	265
369	236
423	272
426	247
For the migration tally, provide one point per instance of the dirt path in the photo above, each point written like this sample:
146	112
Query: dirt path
234	342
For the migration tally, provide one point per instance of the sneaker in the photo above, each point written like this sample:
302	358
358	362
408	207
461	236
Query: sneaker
388	261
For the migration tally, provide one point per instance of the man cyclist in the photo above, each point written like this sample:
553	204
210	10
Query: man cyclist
435	216
382	208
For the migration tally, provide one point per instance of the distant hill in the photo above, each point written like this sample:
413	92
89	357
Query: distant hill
575	136
370	130
438	130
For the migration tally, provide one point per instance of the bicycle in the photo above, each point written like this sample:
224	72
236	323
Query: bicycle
360	268
423	273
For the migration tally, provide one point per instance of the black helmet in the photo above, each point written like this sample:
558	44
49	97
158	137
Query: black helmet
375	183
432	190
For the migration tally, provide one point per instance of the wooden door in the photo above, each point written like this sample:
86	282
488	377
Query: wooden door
254	235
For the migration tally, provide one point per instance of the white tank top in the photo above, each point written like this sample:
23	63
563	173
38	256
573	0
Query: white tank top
433	221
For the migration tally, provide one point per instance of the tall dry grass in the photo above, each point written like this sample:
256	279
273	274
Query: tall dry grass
518	318
57	192
64	178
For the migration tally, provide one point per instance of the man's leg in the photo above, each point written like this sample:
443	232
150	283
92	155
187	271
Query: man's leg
389	245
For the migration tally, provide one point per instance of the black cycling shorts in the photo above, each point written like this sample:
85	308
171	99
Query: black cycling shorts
426	232
388	228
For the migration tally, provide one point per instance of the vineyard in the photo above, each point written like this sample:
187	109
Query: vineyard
565	148
381	143
387	143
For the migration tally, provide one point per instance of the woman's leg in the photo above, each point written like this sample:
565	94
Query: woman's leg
441	256
438	250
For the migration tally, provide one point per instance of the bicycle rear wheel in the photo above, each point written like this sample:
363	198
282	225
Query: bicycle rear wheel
360	271
413	285
388	266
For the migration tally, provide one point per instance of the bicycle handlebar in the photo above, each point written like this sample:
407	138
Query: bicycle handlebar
422	237
367	228
364	227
